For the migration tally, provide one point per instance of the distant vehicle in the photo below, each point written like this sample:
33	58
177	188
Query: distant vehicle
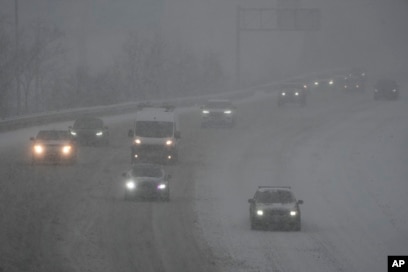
353	84
386	89
148	181
90	131
55	146
292	93
155	135
218	112
275	206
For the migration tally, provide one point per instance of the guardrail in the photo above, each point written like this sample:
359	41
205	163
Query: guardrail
67	115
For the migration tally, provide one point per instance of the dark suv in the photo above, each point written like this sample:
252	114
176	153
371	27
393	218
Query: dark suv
275	206
90	131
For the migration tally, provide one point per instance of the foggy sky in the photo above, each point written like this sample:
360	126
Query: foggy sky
368	33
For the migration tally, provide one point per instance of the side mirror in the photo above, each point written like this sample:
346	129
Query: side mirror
300	202
130	133
251	200
177	135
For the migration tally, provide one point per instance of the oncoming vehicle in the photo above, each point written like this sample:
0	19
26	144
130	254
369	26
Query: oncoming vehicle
292	93
353	84
90	130
386	89
218	112
275	206
147	181
53	146
155	135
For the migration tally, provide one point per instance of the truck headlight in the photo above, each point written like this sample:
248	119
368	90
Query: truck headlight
205	111
169	142
259	212
73	133
130	185
283	94
316	83
138	141
161	186
331	82
228	111
293	213
99	133
296	94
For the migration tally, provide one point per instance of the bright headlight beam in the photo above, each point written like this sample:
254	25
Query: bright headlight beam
205	111
169	142
38	149
130	185
228	112
66	149
138	141
161	186
99	133
259	212
293	213
283	94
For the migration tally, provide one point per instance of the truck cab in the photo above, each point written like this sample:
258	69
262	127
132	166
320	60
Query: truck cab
155	135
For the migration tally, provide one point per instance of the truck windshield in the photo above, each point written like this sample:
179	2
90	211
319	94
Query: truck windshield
154	129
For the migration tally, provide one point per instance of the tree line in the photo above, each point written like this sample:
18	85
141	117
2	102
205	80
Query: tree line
36	75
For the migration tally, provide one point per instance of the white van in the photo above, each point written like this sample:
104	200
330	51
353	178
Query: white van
155	135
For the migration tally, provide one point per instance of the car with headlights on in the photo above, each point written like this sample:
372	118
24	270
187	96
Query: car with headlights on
275	206
292	93
218	112
56	146
90	131
147	181
386	89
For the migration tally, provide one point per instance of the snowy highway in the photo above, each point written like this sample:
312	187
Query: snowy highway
344	155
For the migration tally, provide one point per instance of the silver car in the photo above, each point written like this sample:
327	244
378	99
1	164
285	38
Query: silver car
147	181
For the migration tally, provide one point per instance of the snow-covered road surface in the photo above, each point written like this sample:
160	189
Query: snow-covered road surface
345	156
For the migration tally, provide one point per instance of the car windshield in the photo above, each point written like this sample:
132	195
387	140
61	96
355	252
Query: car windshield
154	129
47	135
219	105
279	196
89	123
146	171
